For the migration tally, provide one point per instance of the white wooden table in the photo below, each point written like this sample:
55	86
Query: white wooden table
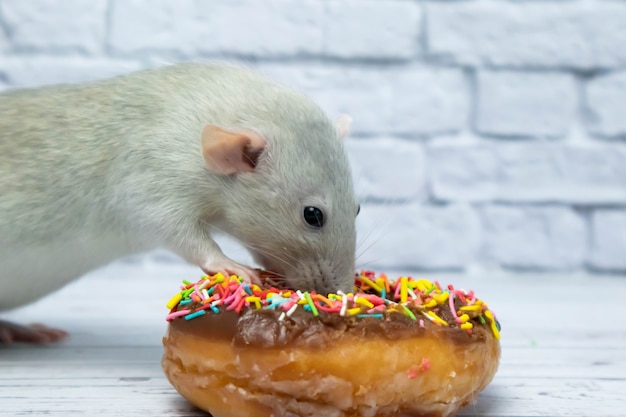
563	344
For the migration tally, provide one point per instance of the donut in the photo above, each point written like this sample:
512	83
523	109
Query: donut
404	347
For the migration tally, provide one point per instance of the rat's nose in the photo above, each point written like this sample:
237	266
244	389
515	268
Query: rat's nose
334	285
345	287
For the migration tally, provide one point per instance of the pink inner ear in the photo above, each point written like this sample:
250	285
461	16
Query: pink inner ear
251	155
227	152
253	149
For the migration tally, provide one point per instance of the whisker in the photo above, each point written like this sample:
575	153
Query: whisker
385	203
270	255
373	261
284	260
378	229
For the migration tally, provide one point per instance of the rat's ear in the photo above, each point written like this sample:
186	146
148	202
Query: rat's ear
342	126
227	152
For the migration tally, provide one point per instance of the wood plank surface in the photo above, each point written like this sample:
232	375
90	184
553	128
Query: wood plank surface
563	346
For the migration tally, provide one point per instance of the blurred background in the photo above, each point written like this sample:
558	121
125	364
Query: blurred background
488	134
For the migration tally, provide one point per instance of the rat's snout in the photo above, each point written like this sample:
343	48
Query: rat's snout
343	284
308	274
320	276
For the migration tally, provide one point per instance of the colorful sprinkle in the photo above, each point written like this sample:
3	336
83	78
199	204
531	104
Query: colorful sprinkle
372	298
175	314
364	302
307	296
291	310
415	371
404	290
174	300
376	316
492	324
255	300
372	285
435	318
408	312
354	311
195	314
452	308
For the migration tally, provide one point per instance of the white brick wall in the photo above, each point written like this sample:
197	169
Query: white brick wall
406	236
547	34
404	100
528	172
608	242
403	177
534	238
508	101
372	29
58	26
606	101
487	133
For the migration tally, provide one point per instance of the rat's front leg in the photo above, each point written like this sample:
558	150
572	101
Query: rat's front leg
210	258
229	267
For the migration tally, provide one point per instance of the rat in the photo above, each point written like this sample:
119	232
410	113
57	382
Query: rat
167	157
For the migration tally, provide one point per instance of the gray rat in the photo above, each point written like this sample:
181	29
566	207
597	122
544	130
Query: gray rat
164	158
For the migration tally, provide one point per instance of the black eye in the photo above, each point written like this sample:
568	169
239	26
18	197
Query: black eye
314	216
358	210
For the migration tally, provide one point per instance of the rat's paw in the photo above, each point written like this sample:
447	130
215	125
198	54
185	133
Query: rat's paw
228	267
33	333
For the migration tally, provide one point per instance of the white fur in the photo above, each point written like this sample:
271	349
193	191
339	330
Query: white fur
36	271
92	172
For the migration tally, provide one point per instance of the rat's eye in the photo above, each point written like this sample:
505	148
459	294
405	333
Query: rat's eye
314	216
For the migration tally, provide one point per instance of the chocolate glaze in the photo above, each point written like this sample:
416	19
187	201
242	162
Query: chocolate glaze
261	328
